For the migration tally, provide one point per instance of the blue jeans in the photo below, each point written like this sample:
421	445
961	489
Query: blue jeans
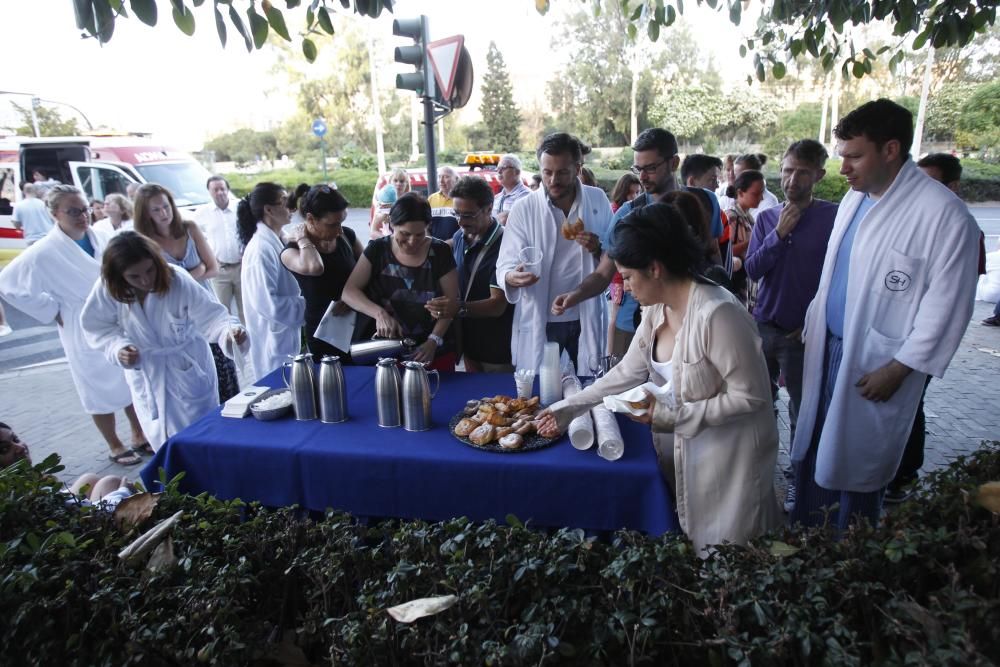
811	498
567	334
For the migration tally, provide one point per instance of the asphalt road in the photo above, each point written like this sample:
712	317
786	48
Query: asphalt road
35	343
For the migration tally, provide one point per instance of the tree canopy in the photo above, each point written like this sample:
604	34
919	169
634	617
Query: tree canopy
785	29
500	114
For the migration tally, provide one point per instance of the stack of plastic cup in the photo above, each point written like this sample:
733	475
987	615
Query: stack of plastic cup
581	429
610	445
549	376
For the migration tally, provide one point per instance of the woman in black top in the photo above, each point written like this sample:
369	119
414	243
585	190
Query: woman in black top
321	255
397	275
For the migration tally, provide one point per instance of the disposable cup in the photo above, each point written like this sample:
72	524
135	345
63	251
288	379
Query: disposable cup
530	257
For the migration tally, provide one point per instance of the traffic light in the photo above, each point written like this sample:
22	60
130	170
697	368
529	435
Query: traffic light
414	54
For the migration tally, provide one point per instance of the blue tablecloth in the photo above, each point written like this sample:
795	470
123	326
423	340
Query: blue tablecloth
366	470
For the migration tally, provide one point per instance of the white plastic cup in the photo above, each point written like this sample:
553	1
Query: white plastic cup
530	257
524	381
610	445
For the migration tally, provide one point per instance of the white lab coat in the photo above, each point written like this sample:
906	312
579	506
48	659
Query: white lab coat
53	277
534	222
174	382
909	297
272	303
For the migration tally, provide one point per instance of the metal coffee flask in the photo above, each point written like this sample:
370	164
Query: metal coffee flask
388	389
303	386
332	391
417	396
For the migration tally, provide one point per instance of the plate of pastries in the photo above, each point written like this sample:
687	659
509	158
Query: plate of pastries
500	424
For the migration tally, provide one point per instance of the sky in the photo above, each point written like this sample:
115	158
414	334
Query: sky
187	89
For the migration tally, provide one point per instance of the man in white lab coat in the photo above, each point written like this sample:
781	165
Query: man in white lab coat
894	300
561	223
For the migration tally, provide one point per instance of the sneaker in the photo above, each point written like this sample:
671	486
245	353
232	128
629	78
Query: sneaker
5	330
789	503
992	321
894	495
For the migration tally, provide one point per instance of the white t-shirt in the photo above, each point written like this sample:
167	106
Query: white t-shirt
33	217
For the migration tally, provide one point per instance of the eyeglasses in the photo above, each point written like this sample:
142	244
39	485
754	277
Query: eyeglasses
469	216
648	169
77	212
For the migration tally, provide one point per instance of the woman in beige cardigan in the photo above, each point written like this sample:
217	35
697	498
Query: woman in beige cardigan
718	441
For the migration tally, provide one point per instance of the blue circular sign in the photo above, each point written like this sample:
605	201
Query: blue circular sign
319	127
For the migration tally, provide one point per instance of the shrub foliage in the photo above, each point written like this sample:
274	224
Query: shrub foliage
263	587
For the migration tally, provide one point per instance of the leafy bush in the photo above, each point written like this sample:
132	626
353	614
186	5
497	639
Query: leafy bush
261	587
356	185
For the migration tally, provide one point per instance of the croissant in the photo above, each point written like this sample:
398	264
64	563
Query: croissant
465	427
483	435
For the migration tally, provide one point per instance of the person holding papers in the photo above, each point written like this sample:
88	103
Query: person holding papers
321	255
156	321
713	426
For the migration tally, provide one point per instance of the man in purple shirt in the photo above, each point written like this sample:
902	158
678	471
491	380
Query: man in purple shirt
785	256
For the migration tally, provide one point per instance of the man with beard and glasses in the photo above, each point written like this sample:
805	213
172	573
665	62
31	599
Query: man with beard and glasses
655	163
551	243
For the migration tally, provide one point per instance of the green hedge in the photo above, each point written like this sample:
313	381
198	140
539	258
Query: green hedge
356	185
258	587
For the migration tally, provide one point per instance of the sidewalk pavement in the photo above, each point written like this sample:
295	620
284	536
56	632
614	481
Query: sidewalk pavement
962	409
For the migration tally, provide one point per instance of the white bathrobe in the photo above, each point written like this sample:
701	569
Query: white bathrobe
533	222
53	277
272	303
174	382
909	297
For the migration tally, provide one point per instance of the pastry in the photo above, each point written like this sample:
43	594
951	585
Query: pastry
527	429
504	431
570	230
465	427
512	441
497	419
483	435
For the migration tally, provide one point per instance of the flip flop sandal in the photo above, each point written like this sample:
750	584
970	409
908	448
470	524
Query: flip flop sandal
145	449
118	458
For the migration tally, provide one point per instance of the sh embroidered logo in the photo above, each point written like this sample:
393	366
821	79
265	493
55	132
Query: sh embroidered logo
897	281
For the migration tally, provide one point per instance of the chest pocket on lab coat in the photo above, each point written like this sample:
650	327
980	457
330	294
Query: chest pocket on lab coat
897	285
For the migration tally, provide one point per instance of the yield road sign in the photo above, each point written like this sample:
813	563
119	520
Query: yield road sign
444	55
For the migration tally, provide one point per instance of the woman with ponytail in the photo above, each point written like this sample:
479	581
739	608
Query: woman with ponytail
272	302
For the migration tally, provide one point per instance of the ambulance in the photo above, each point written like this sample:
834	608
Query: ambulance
99	165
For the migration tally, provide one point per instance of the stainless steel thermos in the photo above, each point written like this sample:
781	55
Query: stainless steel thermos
388	392
417	396
302	385
381	348
332	391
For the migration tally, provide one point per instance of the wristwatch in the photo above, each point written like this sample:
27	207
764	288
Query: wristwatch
463	310
437	339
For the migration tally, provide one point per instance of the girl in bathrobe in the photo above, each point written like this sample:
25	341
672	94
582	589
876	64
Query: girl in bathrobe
156	321
717	439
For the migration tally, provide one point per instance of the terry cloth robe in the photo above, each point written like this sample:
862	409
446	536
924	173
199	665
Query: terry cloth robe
909	297
534	222
272	303
721	454
53	277
175	381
